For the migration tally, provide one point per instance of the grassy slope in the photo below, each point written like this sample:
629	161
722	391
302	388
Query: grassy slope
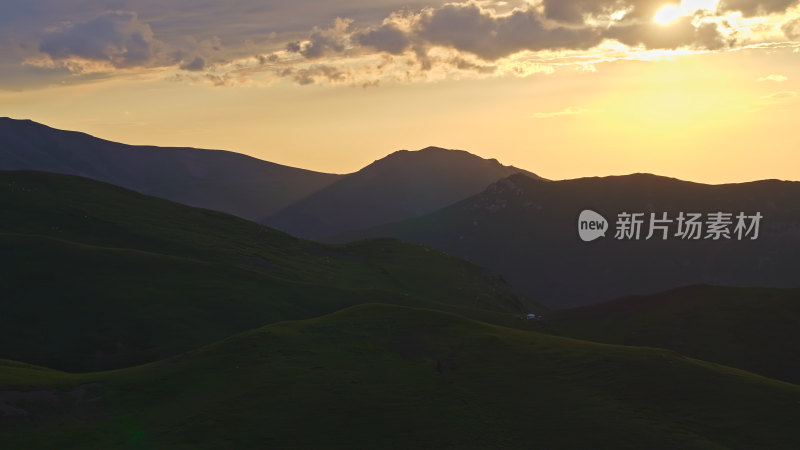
117	278
756	329
378	376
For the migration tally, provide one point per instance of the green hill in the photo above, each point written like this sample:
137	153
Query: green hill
379	376
93	276
756	329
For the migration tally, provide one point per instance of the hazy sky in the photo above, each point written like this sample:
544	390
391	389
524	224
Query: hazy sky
705	90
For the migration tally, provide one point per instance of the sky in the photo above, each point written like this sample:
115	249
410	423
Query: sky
702	90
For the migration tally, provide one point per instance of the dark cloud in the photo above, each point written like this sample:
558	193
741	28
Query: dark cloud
709	37
222	34
680	33
791	29
197	64
574	11
315	73
323	42
751	8
470	29
463	64
263	59
117	37
387	38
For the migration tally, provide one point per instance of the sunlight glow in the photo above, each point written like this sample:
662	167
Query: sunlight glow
690	6
670	13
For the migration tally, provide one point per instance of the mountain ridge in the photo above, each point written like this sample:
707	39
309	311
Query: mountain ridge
216	179
526	230
402	185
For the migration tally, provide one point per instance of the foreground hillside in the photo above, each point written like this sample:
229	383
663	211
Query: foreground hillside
377	376
93	276
526	230
214	179
755	329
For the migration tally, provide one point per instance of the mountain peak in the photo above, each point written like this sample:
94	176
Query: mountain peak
440	158
402	185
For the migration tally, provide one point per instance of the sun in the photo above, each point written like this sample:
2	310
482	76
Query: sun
668	14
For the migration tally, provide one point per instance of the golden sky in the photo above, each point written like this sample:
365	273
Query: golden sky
703	90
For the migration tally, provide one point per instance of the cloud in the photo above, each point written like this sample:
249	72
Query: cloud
678	34
430	39
115	37
463	64
323	42
459	38
750	8
314	74
468	28
195	65
388	38
571	111
576	12
791	29
775	78
782	95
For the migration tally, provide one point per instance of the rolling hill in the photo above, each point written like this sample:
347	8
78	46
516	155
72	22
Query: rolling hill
94	276
755	329
213	179
526	230
400	186
380	376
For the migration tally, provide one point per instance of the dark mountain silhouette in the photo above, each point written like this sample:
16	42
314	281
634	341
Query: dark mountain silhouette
526	230
402	185
214	179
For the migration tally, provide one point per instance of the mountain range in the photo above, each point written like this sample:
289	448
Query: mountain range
131	321
506	219
527	230
304	203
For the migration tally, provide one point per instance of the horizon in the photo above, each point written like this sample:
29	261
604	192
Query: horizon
701	90
428	147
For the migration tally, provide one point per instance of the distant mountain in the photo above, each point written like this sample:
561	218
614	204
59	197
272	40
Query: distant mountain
94	276
400	186
214	179
527	230
754	329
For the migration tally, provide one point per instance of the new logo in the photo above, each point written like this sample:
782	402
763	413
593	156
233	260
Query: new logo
591	225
